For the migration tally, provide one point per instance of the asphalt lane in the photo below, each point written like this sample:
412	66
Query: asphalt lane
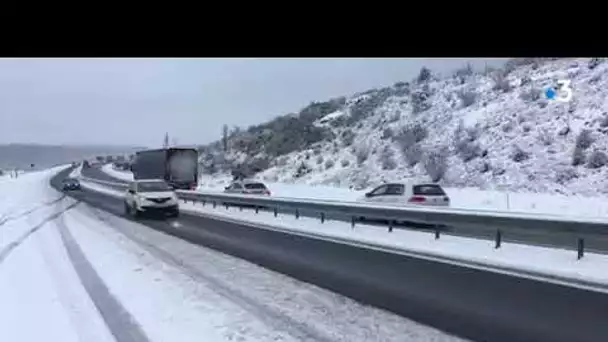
475	304
549	238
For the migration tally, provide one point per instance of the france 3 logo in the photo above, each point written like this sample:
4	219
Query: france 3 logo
561	92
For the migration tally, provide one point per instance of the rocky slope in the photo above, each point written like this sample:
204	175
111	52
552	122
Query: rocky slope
493	129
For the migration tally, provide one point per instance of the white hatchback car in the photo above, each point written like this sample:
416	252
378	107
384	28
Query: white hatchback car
419	194
151	195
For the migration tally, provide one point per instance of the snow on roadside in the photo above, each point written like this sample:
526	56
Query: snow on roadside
38	286
159	296
549	261
123	175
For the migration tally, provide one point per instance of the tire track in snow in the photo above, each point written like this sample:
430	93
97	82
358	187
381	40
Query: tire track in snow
297	329
7	218
119	321
4	253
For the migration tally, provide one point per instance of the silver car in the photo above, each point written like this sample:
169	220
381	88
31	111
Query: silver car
248	187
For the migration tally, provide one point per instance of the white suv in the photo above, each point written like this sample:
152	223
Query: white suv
153	195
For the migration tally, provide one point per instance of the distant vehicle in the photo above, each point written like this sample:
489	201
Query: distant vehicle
85	164
151	196
177	166
70	184
247	187
408	194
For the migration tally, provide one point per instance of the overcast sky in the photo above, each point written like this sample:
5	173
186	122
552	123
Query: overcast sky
135	101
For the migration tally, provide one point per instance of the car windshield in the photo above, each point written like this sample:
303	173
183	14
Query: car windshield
153	187
255	186
428	189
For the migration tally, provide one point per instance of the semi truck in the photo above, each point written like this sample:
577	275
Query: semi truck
177	166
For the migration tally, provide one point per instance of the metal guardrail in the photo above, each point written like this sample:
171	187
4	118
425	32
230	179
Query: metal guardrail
494	224
497	223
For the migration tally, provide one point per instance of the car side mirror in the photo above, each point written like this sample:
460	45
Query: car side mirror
131	191
226	188
368	194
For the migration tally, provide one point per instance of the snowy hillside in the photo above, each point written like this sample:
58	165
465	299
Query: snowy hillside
493	129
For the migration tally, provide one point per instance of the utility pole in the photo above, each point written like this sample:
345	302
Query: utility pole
166	142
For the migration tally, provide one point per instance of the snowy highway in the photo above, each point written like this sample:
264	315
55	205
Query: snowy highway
471	303
72	272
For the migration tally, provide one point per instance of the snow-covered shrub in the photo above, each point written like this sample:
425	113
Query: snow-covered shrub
387	133
348	137
467	150
584	139
604	121
345	162
545	137
411	135
420	100
319	160
362	153
501	83
530	95
435	163
302	170
467	98
597	159
518	155
329	164
387	159
412	155
578	156
564	175
424	75
594	62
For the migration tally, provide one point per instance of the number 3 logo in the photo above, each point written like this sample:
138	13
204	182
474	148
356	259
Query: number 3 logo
565	91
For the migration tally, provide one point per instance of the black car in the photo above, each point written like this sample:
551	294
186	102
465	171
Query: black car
71	184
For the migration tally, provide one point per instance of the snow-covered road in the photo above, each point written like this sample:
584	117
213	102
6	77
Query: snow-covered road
70	272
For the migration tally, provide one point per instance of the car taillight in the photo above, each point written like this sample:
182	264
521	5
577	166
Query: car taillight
268	192
446	199
416	199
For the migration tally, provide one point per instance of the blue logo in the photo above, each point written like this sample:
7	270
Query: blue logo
561	93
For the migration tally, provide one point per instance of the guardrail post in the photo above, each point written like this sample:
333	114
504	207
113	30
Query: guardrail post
352	222
498	239
581	248
226	205
204	202
437	232
297	213
257	209
322	217
240	208
390	226
275	212
214	204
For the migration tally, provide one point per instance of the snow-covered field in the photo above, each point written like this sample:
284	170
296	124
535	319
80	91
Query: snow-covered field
547	262
69	272
462	198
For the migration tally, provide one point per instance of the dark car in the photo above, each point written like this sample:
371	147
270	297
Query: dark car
71	184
